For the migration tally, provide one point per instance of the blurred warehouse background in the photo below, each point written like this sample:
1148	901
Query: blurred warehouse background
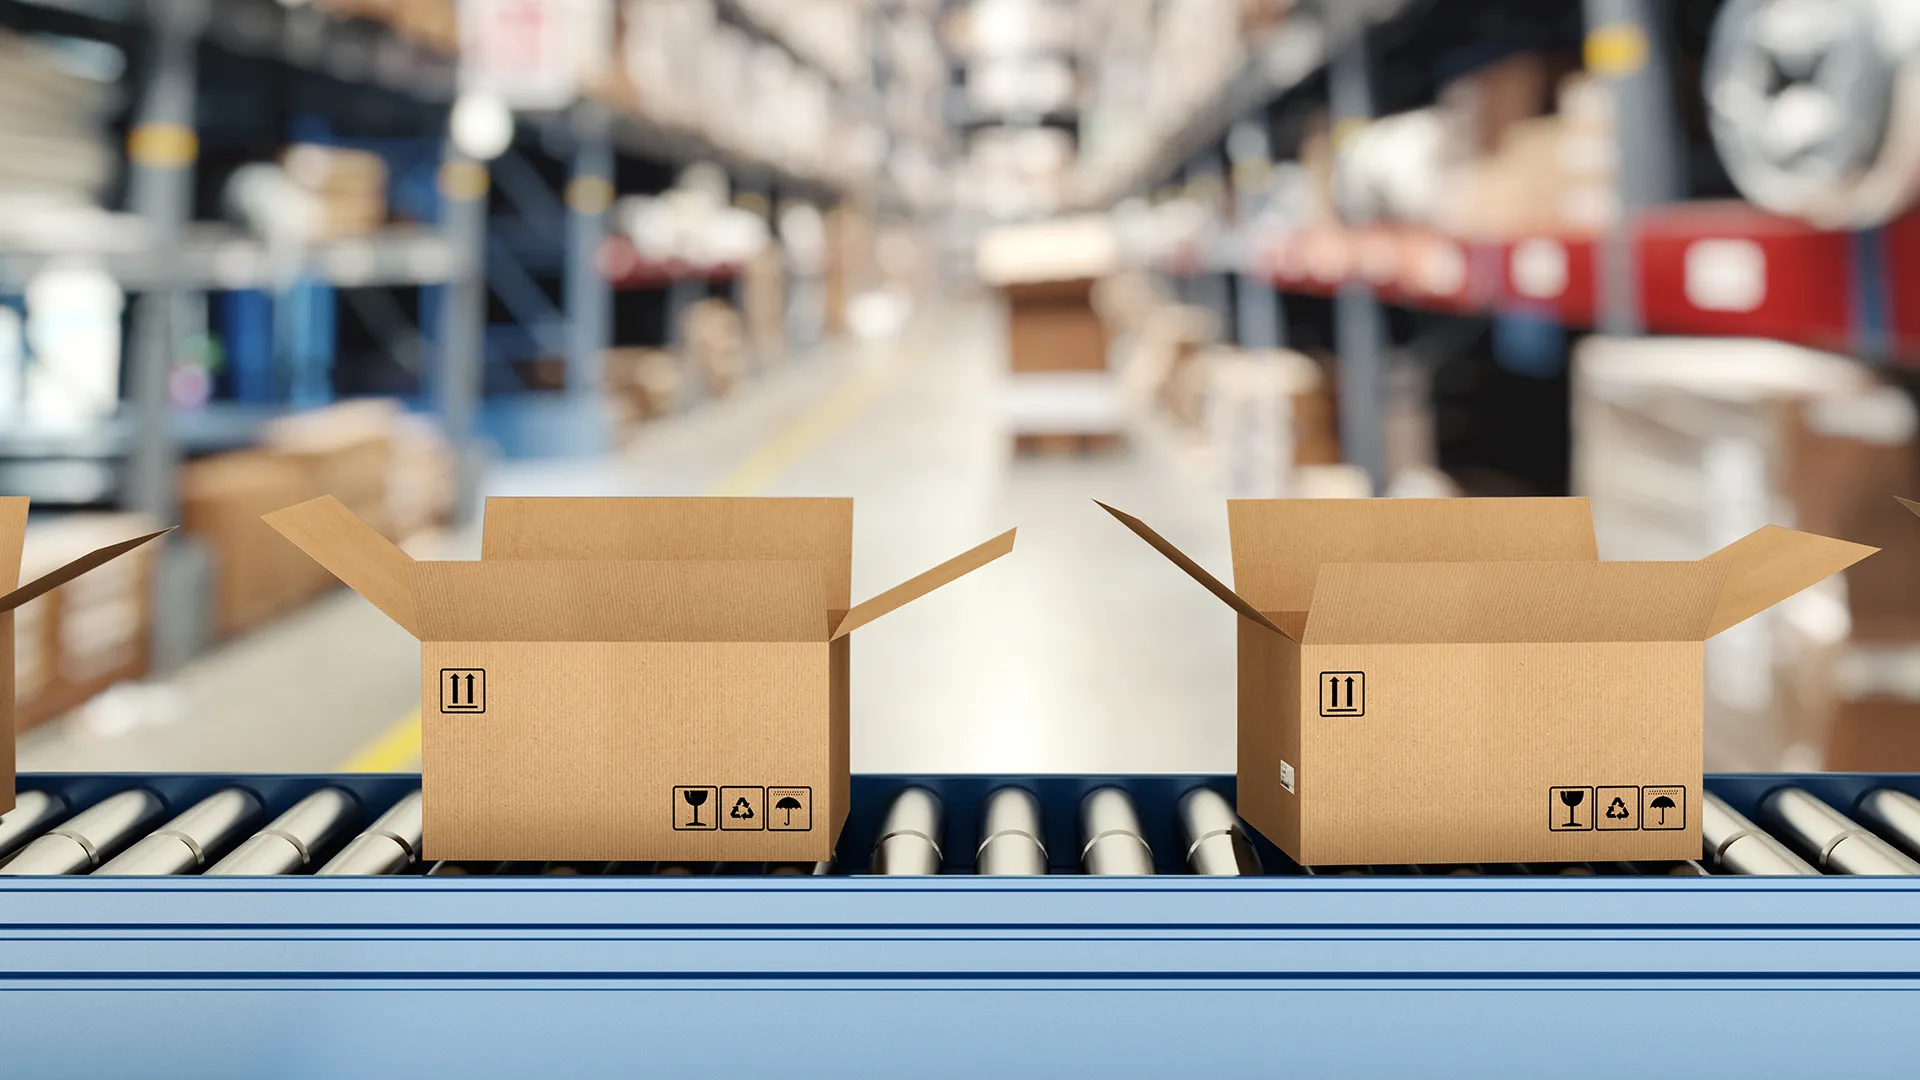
970	263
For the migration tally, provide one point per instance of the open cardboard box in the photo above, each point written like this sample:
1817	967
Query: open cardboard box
13	533
1444	681
629	680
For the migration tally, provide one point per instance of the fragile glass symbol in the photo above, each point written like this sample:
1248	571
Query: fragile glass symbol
695	798
1571	797
1662	804
789	804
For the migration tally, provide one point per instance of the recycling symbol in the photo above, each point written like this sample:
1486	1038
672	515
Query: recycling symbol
1617	809
742	810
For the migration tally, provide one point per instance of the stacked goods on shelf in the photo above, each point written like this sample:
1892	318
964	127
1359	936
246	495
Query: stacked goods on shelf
763	303
714	346
389	468
642	385
827	32
348	188
54	147
1060	384
420	483
1170	366
688	69
1267	414
90	633
434	24
1681	444
849	270
258	577
1848	454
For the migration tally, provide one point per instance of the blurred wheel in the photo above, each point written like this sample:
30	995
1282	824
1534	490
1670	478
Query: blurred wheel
1814	106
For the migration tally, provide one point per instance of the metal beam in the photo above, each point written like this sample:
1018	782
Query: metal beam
1628	47
589	297
1360	325
463	314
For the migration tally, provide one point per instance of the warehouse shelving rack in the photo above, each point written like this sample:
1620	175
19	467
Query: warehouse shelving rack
133	458
1853	292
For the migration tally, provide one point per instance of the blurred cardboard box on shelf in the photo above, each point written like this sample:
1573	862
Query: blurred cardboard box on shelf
1683	444
258	576
714	342
763	301
420	484
1876	726
1474	654
568	675
108	632
346	450
1845	453
1268	413
85	636
644	384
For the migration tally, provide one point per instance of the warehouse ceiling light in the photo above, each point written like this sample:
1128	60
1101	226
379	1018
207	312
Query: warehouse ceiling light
481	127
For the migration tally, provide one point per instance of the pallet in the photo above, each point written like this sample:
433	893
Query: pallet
1031	445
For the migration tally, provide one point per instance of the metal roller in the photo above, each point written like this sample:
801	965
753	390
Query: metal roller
573	869
291	842
184	845
1112	842
388	846
33	813
818	869
666	869
911	834
1450	871
92	837
1216	845
1895	814
1013	840
1814	106
1837	843
1738	846
464	869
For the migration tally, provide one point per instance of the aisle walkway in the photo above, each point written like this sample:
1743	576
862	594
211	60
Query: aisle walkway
1084	651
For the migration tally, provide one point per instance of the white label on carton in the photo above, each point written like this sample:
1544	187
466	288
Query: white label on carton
1726	275
1286	777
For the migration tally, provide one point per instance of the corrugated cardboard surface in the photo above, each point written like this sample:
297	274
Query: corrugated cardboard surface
582	746
1462	663
1050	332
1461	748
13	528
607	658
13	534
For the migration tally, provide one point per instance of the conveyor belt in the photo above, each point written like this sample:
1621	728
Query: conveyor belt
1027	826
246	926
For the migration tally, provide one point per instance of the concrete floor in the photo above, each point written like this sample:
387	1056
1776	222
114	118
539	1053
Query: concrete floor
1082	652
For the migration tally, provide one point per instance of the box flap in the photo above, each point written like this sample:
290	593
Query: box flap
98	557
352	551
1280	544
1771	564
1485	603
1197	572
907	592
523	600
676	530
13	538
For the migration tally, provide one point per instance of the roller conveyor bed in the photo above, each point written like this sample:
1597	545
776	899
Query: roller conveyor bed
283	926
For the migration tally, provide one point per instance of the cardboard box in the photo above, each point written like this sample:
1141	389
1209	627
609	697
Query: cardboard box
1423	680
257	575
13	534
1052	326
605	659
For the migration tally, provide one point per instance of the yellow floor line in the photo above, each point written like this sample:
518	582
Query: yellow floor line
398	749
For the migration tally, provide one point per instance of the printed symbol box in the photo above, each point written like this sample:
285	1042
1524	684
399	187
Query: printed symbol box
13	538
636	652
1501	665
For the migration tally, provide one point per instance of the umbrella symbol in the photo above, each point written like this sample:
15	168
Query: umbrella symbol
1662	804
789	804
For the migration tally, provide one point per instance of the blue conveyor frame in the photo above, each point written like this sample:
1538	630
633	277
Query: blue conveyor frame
852	975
